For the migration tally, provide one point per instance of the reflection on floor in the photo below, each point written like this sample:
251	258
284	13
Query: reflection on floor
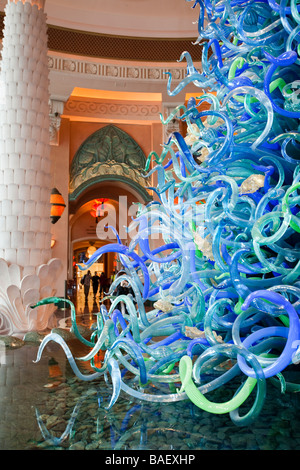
86	308
89	305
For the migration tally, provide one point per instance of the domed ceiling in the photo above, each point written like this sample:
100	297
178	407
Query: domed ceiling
141	18
132	30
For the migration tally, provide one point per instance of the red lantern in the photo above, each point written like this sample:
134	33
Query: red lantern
98	208
57	205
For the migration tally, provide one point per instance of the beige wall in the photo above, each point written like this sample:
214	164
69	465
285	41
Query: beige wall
73	132
60	180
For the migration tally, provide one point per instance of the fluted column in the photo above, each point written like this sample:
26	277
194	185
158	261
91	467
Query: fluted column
25	178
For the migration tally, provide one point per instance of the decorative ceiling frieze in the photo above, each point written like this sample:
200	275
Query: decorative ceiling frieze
116	71
93	108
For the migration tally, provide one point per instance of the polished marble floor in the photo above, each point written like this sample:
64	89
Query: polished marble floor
44	406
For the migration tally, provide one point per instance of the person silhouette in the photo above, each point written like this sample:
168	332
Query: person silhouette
87	284
95	283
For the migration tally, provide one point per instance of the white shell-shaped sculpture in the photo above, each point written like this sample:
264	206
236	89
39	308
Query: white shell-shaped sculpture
18	294
193	332
192	139
192	135
204	245
252	184
163	305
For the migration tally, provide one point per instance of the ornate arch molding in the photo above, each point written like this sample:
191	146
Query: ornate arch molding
109	154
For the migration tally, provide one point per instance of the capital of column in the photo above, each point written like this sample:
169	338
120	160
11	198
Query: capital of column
40	3
172	119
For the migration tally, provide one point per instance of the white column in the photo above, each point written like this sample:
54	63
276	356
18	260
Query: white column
25	169
24	138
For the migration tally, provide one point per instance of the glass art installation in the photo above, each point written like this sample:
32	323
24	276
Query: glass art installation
224	282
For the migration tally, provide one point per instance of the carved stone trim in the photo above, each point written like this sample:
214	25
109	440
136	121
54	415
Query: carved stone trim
117	109
117	71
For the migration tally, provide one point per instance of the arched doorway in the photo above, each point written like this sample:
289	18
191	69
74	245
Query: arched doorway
105	176
86	237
